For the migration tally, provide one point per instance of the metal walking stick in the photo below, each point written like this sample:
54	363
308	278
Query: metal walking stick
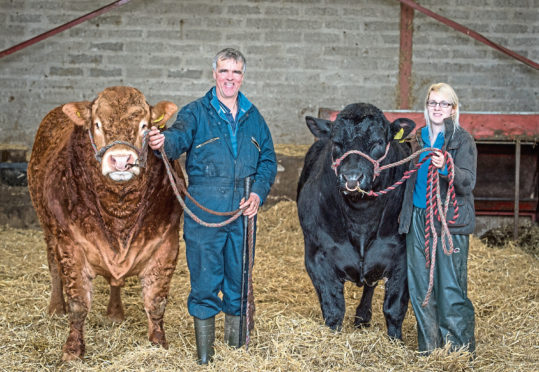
244	264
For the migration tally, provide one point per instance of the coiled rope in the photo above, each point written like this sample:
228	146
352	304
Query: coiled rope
435	207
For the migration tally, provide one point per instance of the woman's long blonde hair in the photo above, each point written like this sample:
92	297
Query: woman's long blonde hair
447	91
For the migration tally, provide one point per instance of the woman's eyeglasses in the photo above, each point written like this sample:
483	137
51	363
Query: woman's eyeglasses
442	104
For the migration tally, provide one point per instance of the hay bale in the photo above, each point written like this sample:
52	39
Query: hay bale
289	334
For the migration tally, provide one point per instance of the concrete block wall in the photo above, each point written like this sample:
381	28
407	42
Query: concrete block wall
301	55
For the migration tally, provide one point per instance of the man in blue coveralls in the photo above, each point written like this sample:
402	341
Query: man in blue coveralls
226	140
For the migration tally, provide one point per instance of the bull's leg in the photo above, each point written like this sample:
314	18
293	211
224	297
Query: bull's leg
155	287
396	301
57	304
364	309
329	289
79	296
115	309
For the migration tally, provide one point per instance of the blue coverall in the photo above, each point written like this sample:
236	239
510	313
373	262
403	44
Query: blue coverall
217	163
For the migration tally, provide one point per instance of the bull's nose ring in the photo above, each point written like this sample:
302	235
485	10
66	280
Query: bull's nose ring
357	188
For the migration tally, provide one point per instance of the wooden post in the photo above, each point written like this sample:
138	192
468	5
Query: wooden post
405	56
517	188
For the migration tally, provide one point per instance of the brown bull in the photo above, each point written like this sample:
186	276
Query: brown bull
102	210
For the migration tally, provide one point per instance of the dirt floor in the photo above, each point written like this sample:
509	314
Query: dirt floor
289	334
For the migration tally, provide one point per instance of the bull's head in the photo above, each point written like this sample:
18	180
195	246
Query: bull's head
117	121
361	138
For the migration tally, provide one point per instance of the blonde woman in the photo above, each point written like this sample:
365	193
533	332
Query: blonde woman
448	316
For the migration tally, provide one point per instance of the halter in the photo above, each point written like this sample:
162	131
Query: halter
376	163
142	153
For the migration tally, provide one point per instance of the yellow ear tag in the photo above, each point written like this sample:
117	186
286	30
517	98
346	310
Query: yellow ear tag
159	118
399	134
78	114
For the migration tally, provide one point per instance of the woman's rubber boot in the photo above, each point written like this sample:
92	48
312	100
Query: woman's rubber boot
205	337
232	330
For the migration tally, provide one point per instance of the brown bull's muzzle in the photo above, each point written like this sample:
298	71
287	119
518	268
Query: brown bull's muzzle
121	160
120	163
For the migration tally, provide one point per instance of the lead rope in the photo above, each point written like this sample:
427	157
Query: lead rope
434	208
434	201
172	176
174	181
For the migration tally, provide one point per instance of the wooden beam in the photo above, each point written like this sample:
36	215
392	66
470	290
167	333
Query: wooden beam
405	56
486	126
63	27
477	36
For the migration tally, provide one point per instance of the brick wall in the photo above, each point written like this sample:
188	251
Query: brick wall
301	55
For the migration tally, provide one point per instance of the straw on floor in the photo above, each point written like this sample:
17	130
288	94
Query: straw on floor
289	334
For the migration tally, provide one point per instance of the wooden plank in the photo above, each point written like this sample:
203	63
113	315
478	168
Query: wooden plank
405	56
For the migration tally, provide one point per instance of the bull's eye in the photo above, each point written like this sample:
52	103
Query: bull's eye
143	125
97	125
378	144
378	148
337	150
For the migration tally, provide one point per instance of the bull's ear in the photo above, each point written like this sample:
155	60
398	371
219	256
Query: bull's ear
161	113
79	112
321	128
401	128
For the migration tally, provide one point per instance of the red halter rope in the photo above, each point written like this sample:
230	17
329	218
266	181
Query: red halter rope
376	163
434	201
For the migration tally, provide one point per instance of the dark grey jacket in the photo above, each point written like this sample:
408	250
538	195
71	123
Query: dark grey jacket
461	146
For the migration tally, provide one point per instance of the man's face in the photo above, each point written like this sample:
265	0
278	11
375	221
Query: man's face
228	78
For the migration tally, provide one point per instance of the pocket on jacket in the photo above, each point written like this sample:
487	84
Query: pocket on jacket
464	217
255	142
207	142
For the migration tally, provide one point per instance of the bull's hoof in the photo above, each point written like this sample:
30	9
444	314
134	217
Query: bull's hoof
360	323
163	344
394	335
66	357
57	308
115	314
158	339
73	350
334	325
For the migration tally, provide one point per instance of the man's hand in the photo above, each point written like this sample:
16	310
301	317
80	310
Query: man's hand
156	139
438	159
251	205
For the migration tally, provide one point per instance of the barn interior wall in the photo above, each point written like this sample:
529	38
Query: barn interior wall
301	55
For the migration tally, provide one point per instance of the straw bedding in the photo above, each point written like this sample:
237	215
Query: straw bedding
289	334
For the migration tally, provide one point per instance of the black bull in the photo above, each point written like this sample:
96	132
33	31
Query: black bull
350	235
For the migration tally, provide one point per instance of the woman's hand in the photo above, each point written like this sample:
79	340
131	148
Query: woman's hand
438	159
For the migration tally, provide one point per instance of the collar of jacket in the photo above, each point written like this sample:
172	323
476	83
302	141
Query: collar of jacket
449	133
244	105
